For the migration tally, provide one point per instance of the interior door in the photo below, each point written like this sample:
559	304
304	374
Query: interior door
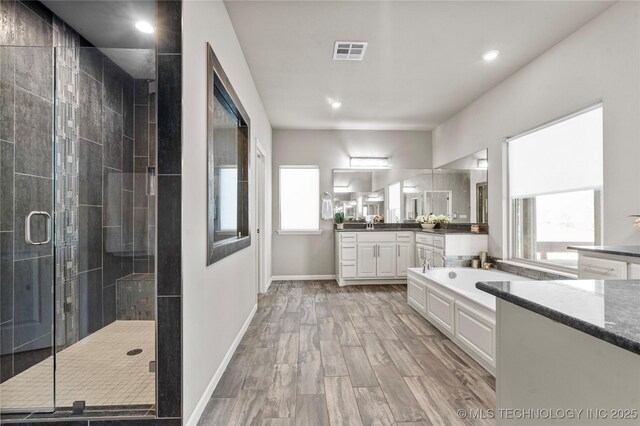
386	260
367	260
403	250
27	262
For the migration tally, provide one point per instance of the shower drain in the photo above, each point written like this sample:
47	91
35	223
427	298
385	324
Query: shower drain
133	352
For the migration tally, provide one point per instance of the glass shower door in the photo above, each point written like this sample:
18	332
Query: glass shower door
27	258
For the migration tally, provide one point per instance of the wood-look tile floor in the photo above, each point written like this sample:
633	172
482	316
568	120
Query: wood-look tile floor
319	354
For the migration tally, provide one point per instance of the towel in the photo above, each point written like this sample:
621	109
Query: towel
327	210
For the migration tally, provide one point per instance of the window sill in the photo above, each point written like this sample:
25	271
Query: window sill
540	268
281	232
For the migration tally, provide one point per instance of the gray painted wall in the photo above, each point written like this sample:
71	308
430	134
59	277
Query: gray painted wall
331	149
600	61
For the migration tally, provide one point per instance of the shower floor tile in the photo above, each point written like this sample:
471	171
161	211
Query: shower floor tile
97	370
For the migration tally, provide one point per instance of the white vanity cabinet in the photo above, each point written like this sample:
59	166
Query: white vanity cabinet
370	257
598	265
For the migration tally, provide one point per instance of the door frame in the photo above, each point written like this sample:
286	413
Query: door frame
260	219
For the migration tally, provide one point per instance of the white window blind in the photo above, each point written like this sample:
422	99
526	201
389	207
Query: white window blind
299	198
563	157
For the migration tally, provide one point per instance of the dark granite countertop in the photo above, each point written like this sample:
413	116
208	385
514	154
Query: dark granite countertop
606	309
426	231
617	250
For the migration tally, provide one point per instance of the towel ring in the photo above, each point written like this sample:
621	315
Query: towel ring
326	196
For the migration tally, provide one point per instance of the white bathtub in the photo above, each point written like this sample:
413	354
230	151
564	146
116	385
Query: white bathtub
448	299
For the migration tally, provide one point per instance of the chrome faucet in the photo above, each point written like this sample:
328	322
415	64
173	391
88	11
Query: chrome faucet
427	263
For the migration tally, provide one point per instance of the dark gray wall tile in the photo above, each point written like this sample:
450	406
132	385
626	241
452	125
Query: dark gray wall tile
127	261
6	108
141	92
127	217
34	137
32	353
32	194
7	19
34	70
142	131
90	97
33	299
90	303
140	232
127	105
6	349
91	62
111	255
30	29
127	163
141	265
112	202
140	182
169	26
6	186
169	235
112	139
89	238
112	85
39	9
169	365
6	276
169	114
89	173
109	305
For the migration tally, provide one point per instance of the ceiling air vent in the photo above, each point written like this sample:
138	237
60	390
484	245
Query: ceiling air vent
349	50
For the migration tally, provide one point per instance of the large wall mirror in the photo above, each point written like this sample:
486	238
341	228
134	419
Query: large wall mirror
227	166
460	189
457	190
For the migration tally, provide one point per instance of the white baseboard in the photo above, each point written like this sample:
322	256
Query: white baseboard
302	277
268	284
202	403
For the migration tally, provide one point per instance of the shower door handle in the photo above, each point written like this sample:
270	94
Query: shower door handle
27	228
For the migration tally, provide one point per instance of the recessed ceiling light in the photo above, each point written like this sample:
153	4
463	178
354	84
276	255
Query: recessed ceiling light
336	104
144	27
490	55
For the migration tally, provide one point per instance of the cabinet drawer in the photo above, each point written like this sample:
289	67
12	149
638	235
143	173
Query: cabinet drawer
376	237
634	271
438	242
348	238
348	270
596	268
348	252
424	239
404	237
440	308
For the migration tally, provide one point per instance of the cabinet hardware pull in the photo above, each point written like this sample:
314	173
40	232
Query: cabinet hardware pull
598	270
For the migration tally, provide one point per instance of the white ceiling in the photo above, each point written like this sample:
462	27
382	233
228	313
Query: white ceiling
110	25
422	65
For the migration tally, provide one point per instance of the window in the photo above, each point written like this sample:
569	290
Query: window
227	166
394	203
555	188
299	199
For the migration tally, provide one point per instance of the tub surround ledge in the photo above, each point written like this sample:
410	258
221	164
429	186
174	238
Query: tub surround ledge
608	310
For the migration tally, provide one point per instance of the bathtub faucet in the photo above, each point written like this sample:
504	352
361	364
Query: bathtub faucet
427	263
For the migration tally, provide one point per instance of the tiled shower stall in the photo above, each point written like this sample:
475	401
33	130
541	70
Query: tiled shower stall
78	142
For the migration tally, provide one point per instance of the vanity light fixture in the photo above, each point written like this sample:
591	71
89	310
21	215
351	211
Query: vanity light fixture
341	189
144	26
483	163
409	189
490	55
336	104
369	162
